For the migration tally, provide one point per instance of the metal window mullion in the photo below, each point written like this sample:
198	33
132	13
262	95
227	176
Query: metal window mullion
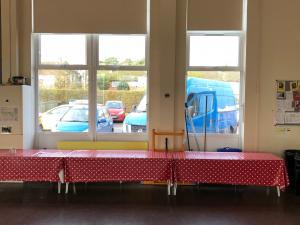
36	57
241	52
62	67
147	68
117	67
242	88
92	71
188	39
213	33
204	68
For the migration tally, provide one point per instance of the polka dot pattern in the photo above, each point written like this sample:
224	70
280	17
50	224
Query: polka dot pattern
30	165
230	168
94	166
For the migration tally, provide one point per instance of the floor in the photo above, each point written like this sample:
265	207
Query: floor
122	204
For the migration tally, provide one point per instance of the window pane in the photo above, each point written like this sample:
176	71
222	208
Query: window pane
214	51
214	95
63	105
63	49
126	50
123	95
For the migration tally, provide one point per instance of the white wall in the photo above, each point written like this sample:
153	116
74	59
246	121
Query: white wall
280	54
273	52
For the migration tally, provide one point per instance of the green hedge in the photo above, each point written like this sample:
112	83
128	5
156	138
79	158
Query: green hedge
50	98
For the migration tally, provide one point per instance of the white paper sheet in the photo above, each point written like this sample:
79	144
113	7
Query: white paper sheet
292	118
8	114
279	117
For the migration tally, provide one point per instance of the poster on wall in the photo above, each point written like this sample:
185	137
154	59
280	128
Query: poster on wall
287	102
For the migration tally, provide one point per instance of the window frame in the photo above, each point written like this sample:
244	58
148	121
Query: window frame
122	67
42	66
92	66
98	67
240	68
239	34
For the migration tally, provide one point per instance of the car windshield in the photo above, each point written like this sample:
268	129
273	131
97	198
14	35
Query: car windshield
76	115
114	105
142	106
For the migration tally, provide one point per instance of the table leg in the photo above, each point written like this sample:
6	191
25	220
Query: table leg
169	187
268	191
74	188
58	187
61	176
67	187
278	191
175	189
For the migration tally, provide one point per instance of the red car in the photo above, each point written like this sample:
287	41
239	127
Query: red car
116	110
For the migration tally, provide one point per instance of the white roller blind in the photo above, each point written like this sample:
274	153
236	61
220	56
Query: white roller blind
90	16
215	14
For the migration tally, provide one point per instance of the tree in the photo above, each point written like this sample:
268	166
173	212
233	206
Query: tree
110	61
128	62
123	85
102	83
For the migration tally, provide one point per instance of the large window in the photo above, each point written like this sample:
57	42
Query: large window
90	83
214	76
122	80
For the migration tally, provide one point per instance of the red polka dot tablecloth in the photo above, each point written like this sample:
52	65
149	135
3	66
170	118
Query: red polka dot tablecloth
118	165
230	168
95	166
31	165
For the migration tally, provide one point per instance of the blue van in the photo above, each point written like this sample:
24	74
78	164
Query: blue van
222	112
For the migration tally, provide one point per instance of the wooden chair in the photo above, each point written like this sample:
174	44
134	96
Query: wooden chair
179	134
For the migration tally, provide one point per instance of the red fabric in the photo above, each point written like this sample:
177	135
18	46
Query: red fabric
93	166
31	165
230	168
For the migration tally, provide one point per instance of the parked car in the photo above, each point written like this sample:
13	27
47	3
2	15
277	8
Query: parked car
136	121
116	110
49	119
222	111
76	120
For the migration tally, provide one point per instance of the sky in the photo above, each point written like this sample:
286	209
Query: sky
62	48
204	50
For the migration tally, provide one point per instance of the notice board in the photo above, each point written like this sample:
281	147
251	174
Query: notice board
287	102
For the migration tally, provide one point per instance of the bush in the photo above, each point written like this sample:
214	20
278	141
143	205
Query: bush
129	98
49	98
123	85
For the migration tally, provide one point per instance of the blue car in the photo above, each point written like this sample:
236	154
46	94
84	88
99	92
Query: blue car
76	120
